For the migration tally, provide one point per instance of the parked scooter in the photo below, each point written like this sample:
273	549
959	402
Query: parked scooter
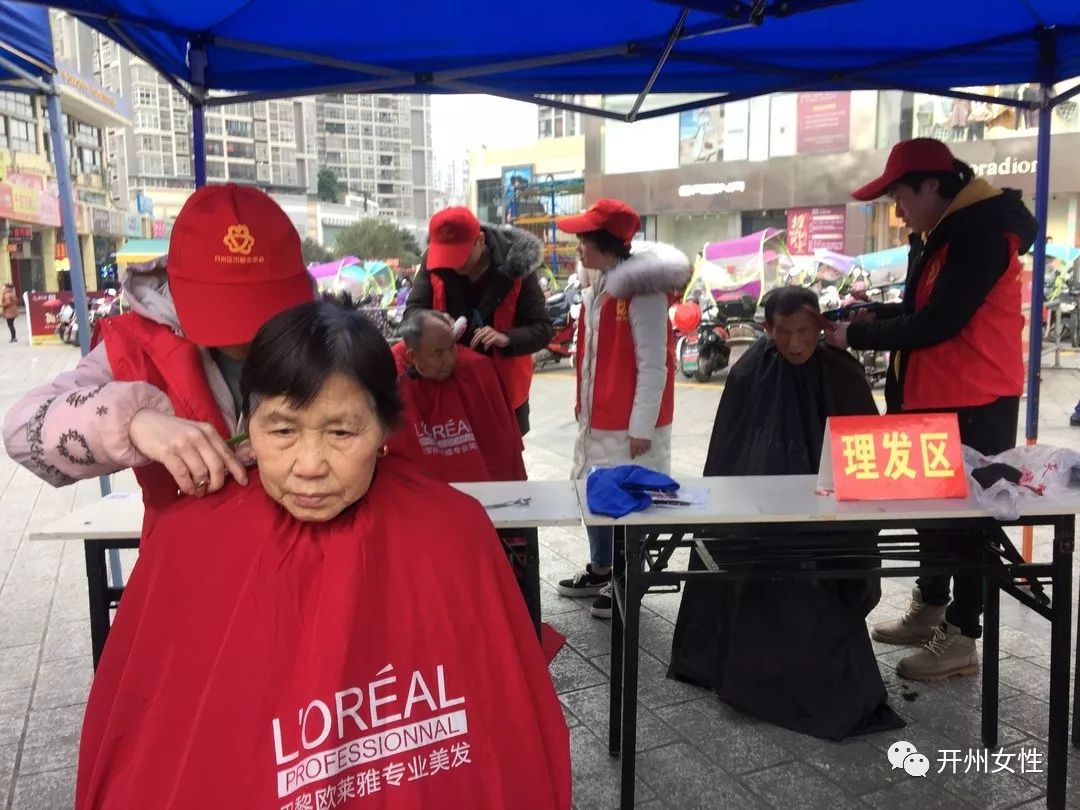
702	347
563	308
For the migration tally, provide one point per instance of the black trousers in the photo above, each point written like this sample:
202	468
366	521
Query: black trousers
11	326
522	414
990	429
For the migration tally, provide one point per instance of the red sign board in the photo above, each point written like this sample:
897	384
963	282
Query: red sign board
811	228
894	458
43	311
824	122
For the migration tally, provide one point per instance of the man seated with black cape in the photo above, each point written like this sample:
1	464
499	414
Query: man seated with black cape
793	652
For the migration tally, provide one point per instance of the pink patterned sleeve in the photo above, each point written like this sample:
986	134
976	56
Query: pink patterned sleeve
76	426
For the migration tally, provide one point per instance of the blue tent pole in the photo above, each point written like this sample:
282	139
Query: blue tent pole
67	216
1042	202
198	114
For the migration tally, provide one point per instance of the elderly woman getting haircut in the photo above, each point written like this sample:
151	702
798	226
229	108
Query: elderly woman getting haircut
341	632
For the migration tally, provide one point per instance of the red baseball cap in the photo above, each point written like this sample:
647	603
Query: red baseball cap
234	263
451	235
613	216
916	155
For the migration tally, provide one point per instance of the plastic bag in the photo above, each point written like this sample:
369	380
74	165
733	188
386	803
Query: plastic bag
1045	472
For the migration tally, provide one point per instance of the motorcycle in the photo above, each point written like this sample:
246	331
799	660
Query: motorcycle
702	347
564	309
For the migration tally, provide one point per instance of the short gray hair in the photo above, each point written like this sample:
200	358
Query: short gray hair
412	328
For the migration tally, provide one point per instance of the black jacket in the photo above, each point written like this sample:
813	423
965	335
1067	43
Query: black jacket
514	254
978	257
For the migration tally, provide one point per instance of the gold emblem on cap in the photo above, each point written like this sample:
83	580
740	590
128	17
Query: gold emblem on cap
238	239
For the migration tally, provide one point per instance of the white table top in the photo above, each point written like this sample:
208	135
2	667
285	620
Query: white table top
792	499
553	503
119	516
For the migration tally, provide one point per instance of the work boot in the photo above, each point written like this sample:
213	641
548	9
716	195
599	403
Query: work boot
914	627
946	654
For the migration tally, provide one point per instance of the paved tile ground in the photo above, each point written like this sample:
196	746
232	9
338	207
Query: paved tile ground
695	752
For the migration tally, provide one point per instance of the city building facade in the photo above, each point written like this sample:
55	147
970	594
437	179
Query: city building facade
726	171
33	253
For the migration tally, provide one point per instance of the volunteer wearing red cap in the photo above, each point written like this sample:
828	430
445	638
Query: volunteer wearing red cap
487	274
956	346
161	391
625	362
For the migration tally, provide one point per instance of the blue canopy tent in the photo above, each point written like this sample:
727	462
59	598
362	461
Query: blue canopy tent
27	65
725	50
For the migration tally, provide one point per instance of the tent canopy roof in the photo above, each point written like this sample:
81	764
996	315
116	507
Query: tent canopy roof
601	47
25	40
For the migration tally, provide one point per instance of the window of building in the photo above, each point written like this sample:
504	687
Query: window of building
236	149
148	143
150	165
238	129
147	119
146	96
216	148
214	125
260	130
215	169
183	167
22	135
242	171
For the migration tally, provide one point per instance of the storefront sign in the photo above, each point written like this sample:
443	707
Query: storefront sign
891	458
100	218
28	197
43	314
132	225
810	229
144	204
824	122
20	233
89	88
1009	165
712	189
159	229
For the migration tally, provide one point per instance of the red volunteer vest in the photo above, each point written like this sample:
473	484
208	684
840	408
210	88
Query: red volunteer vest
982	363
143	351
515	371
615	369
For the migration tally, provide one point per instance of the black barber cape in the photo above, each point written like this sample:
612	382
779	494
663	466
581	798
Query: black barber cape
796	652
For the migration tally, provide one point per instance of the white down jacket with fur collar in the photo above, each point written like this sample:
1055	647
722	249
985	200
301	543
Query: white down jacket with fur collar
652	272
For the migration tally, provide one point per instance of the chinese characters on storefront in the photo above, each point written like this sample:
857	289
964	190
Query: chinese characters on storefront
810	229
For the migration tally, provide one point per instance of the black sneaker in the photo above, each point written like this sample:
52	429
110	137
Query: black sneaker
584	584
1074	420
601	606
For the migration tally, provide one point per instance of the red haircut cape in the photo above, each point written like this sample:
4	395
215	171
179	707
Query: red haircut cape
383	659
460	429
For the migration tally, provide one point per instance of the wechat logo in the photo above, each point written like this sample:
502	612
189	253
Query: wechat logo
904	755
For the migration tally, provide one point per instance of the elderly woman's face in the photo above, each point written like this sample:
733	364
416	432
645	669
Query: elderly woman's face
318	460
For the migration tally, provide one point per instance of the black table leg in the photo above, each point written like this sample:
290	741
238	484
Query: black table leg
1068	527
97	580
531	585
631	628
616	665
1060	649
991	657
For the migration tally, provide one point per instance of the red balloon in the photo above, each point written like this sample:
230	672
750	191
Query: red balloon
687	317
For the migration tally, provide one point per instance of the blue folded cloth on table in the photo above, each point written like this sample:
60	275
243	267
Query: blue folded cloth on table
618	491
